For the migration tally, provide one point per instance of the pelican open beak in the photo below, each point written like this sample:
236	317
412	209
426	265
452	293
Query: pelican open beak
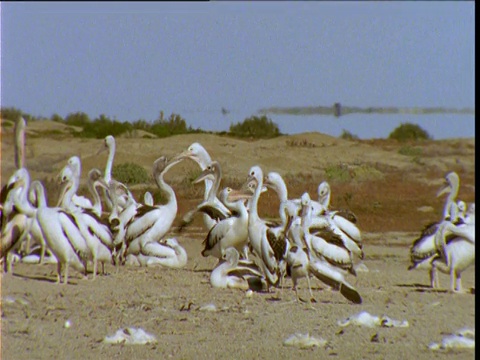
446	189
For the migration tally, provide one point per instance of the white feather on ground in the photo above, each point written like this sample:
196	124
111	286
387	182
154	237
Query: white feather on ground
462	339
304	341
131	336
363	318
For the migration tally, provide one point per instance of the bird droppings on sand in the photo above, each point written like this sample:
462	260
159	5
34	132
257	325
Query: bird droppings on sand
304	341
131	336
208	307
364	318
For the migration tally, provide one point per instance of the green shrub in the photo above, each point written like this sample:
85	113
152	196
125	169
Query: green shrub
347	135
173	126
410	151
130	174
77	119
255	127
10	113
408	131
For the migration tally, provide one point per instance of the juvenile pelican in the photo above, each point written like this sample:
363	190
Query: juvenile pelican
168	253
423	249
234	274
151	223
197	153
232	231
122	194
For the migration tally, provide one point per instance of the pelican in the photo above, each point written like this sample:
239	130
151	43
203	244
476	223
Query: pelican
151	223
94	230
168	253
456	249
298	263
270	248
209	206
197	153
423	249
148	198
123	193
344	220
18	224
323	241
58	229
232	231
233	273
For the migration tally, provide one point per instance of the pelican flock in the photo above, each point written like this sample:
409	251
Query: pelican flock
311	241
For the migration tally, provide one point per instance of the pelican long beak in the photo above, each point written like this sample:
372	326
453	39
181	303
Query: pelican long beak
444	190
103	148
239	195
63	191
102	183
183	155
207	173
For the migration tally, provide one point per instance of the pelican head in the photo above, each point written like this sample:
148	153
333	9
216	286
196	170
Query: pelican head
305	201
211	171
255	173
108	143
272	179
452	182
197	153
231	255
323	191
96	178
20	177
75	164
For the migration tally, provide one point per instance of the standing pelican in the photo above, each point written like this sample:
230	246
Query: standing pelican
456	249
231	231
423	249
123	194
197	153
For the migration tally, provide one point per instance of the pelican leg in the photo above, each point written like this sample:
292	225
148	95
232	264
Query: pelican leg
312	298
458	287
433	276
42	252
65	276
59	272
95	268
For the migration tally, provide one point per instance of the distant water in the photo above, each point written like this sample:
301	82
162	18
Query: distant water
365	126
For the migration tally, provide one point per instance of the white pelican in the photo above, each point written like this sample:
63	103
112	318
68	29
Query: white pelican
456	249
94	229
18	224
233	273
323	241
270	248
197	153
148	198
232	231
168	253
216	210
344	220
58	229
151	223
423	249
123	194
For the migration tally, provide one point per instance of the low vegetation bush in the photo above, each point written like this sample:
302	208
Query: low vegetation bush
410	151
255	127
300	143
130	173
408	131
347	135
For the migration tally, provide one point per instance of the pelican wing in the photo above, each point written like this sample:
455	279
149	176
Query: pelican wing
278	244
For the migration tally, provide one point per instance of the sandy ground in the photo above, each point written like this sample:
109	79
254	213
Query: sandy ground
34	312
167	303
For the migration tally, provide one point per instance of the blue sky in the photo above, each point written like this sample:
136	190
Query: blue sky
131	60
